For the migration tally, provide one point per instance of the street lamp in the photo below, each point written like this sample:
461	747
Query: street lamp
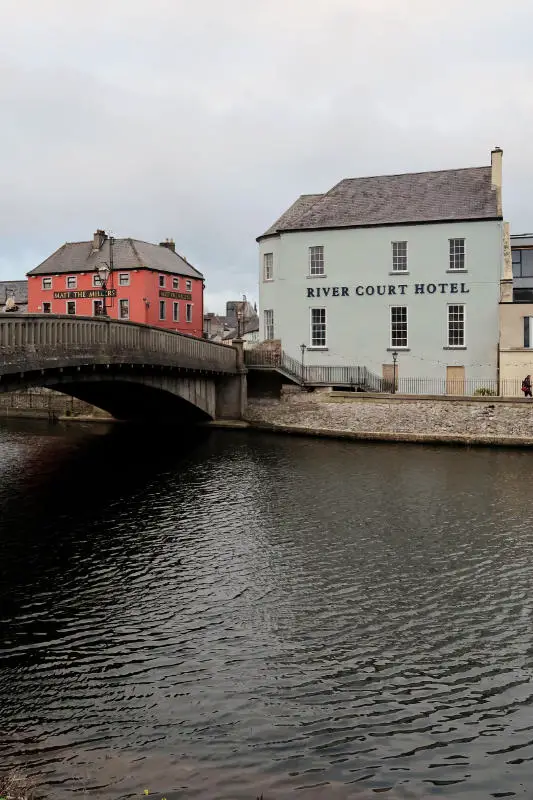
103	272
303	349
394	360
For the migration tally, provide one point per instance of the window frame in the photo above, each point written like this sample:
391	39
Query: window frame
97	281
122	300
127	277
454	253
175	283
528	333
46	280
162	281
188	286
449	321
49	304
268	326
313	340
396	257
314	272
73	285
98	301
69	303
162	310
175	308
188	312
394	345
268	267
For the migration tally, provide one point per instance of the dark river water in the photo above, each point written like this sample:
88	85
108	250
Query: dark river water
231	614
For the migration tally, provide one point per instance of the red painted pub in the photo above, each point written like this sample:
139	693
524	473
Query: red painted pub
125	279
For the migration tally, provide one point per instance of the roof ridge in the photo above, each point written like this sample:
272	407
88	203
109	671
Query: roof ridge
404	174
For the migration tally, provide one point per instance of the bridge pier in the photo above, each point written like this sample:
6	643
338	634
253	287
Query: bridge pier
232	391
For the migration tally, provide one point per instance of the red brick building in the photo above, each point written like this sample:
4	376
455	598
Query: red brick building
125	278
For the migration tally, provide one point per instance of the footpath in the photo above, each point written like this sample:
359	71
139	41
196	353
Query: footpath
486	421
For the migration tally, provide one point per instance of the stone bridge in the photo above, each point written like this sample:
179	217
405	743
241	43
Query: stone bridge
130	370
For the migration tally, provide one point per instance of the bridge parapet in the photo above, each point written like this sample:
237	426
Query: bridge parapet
37	341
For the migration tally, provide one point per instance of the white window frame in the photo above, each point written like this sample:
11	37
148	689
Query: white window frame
68	302
448	322
47	303
162	281
398	259
162	310
268	266
188	286
268	323
175	311
96	301
97	281
48	282
393	345
188	312
74	284
313	340
528	332
123	300
454	253
316	260
175	283
123	278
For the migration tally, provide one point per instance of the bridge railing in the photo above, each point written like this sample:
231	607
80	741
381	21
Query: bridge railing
32	337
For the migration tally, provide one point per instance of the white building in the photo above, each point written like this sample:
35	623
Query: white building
407	263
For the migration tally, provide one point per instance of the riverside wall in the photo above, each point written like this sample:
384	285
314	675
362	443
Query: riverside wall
483	421
42	403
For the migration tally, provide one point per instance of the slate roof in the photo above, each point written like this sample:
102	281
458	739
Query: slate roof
127	254
452	194
16	289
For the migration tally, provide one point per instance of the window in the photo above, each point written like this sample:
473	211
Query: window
123	308
398	326
175	283
162	281
318	327
457	254
123	278
71	306
176	312
399	256
522	263
97	281
456	326
188	312
162	309
316	260
268	266
268	316
47	308
98	308
528	331
71	282
47	283
188	286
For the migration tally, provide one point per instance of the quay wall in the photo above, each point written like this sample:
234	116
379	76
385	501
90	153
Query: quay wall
470	421
42	403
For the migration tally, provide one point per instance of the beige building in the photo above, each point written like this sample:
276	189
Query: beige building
516	314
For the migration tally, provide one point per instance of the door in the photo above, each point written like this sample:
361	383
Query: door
455	380
388	377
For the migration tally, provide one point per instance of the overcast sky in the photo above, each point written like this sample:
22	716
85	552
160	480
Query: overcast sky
203	120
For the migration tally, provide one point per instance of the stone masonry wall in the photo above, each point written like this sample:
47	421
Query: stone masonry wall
42	401
422	417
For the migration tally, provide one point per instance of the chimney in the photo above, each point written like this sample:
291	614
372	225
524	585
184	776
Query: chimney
496	158
98	239
169	244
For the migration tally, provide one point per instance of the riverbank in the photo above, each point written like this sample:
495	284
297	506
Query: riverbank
341	415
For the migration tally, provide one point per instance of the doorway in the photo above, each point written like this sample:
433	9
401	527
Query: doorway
455	380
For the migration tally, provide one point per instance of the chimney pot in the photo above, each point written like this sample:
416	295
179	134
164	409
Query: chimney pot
169	244
98	239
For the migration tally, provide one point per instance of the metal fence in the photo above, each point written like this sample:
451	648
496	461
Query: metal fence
357	378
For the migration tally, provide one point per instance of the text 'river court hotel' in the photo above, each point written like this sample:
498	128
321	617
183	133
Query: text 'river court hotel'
397	263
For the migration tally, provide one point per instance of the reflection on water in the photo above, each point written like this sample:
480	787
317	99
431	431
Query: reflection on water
235	613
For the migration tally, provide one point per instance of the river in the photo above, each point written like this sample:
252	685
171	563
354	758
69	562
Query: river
223	614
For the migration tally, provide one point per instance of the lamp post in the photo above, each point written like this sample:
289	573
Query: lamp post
303	349
104	270
394	360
